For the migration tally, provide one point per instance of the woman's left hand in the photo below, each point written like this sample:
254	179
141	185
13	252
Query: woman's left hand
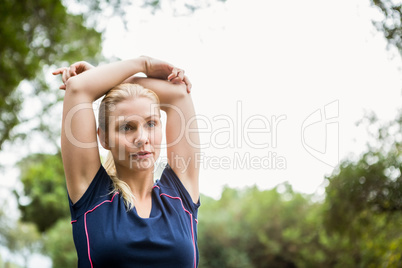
155	68
176	79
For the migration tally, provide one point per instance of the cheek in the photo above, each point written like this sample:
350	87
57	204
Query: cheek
156	140
156	137
122	139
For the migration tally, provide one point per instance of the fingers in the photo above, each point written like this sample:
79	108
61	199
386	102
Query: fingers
177	77
188	83
173	75
177	74
59	71
180	74
68	72
80	67
72	70
65	76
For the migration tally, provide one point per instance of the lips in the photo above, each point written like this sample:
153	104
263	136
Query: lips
141	155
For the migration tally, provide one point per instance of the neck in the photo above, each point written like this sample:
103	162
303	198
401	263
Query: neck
140	181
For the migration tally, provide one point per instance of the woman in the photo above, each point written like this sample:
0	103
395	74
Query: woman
120	217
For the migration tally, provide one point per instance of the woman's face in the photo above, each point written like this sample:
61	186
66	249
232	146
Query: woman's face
135	133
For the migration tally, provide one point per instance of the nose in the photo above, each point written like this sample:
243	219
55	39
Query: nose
141	138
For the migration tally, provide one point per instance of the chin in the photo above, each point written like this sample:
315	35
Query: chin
142	165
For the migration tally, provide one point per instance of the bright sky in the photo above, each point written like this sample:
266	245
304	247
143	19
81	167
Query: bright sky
290	77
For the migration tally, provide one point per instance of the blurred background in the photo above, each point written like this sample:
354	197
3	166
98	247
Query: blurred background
298	103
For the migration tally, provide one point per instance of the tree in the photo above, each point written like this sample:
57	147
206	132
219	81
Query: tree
44	204
44	186
21	239
364	198
270	228
60	248
36	34
24	240
391	25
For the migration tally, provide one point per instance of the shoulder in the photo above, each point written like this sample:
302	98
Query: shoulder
99	190
171	186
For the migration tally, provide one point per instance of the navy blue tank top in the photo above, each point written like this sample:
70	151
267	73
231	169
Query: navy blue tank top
107	235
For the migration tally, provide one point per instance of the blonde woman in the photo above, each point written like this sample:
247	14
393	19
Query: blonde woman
120	216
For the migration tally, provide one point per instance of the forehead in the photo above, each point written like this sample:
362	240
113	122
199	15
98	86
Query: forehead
142	107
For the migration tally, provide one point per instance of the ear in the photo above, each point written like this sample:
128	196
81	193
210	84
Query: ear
102	139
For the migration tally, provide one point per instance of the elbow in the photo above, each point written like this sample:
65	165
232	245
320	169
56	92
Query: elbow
180	92
72	86
75	86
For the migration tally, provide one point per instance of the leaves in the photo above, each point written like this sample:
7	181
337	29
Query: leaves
37	34
253	228
391	25
364	198
61	248
45	188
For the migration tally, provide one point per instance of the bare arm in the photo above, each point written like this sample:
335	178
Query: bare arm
181	130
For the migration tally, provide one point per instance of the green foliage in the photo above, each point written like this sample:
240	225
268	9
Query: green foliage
59	244
364	198
252	228
8	265
373	183
23	239
44	184
36	34
20	238
391	25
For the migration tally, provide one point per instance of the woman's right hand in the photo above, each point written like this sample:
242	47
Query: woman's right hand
73	70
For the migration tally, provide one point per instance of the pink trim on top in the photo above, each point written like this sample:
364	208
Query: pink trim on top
73	221
86	229
191	220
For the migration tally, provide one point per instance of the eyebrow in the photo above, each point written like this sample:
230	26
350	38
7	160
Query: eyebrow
146	118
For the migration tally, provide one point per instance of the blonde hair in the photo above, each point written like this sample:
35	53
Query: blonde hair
115	95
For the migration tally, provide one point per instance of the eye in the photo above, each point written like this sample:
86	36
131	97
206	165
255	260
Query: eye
126	127
151	123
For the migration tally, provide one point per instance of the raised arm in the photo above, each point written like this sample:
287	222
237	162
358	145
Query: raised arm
182	136
79	135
